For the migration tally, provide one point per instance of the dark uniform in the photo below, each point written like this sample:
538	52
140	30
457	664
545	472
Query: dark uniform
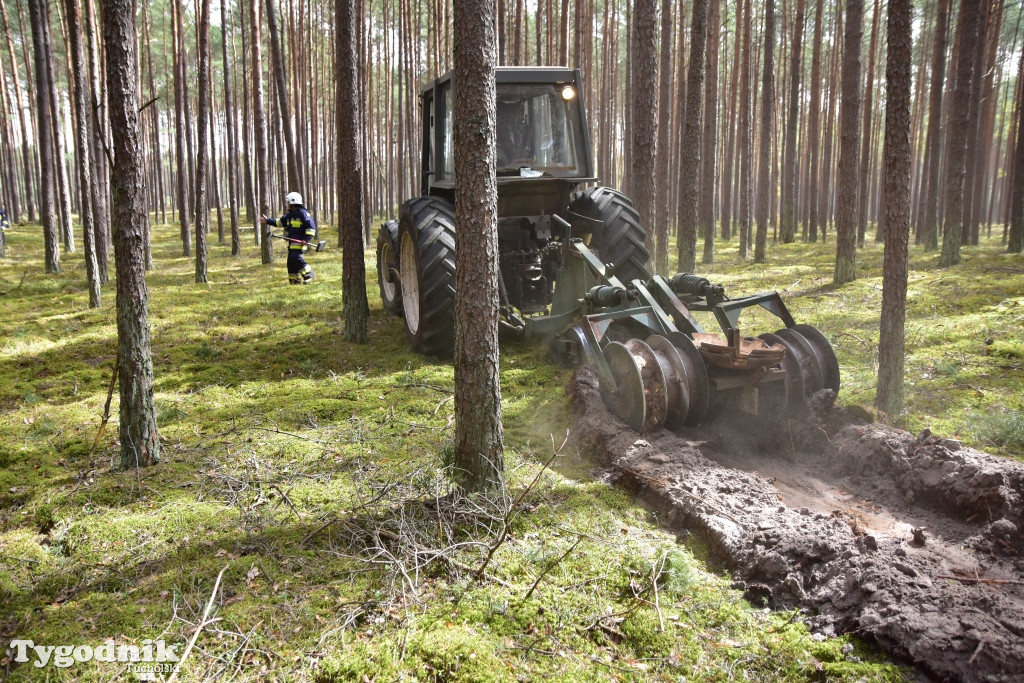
298	224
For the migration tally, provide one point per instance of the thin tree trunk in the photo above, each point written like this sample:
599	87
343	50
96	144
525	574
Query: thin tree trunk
179	131
866	135
203	144
44	135
663	187
929	229
262	180
814	127
83	140
787	218
849	137
960	111
764	173
644	75
689	180
232	150
295	169
140	443
26	150
709	158
891	343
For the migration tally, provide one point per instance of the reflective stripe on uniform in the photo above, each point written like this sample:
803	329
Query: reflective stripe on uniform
310	231
296	223
296	246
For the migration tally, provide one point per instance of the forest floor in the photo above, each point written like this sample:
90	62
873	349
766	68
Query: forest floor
313	471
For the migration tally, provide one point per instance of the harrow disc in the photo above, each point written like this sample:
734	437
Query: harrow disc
807	360
626	399
794	376
824	354
686	379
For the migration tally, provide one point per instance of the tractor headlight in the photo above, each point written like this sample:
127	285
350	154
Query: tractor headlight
568	92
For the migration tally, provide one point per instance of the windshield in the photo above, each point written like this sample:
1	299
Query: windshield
537	128
538	131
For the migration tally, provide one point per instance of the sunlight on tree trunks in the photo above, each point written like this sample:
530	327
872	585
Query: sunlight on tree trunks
849	148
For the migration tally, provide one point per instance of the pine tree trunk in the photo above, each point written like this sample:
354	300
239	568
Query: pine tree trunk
261	181
849	138
930	221
83	139
44	138
202	206
745	156
644	74
347	107
891	344
232	150
959	121
26	150
866	136
179	131
478	429
689	181
709	153
295	169
140	443
764	172
1015	241
787	218
814	127
663	187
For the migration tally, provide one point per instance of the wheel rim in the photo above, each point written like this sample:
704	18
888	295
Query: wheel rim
387	289
410	282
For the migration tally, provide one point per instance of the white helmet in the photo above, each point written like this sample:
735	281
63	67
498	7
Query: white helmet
293	198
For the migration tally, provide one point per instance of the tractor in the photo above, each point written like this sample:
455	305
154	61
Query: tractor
573	271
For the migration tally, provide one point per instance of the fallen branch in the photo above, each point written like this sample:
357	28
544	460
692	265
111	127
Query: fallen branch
550	567
199	628
106	407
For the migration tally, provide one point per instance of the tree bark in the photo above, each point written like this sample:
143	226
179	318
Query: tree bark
261	181
44	137
929	226
295	169
849	137
959	120
232	150
1015	239
478	428
202	206
866	136
26	150
663	185
350	173
83	140
891	343
787	218
140	443
744	152
764	172
179	131
709	153
814	127
644	75
689	181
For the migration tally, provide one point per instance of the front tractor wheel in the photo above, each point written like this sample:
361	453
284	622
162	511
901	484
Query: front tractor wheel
426	266
387	268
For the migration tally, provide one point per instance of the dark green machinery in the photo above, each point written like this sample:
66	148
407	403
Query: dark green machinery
573	268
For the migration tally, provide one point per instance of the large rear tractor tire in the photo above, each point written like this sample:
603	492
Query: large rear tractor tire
620	240
426	265
387	268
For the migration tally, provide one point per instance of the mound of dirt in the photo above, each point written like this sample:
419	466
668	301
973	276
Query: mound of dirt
915	543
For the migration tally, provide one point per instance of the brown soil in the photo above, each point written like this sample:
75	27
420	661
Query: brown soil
915	543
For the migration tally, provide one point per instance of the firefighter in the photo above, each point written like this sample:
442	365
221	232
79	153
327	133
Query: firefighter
298	225
5	225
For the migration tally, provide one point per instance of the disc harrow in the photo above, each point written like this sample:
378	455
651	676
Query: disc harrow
657	367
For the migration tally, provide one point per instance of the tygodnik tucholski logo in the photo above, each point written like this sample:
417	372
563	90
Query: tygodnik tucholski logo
153	656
